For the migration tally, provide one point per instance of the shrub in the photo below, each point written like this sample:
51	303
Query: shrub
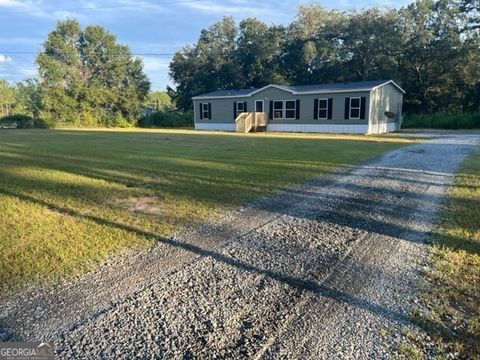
17	121
453	121
167	119
86	119
43	123
120	122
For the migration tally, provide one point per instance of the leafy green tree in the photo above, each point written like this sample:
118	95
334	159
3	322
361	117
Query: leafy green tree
159	100
29	98
88	78
312	51
7	98
258	53
208	65
369	42
216	50
432	54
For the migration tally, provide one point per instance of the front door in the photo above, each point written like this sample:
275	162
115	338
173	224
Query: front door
259	106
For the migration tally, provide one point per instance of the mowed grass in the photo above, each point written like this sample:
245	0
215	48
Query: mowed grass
450	311
69	199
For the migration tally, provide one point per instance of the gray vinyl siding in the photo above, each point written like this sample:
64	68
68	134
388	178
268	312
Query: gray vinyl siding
386	98
222	109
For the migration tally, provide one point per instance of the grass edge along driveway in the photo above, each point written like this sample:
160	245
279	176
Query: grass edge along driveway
62	192
449	307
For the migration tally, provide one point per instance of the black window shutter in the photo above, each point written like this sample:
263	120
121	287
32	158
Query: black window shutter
347	108
315	109
201	111
362	107
244	106
234	109
297	108
330	107
210	111
270	113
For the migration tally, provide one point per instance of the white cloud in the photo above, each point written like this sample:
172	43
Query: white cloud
5	58
10	3
83	11
21	6
236	7
152	64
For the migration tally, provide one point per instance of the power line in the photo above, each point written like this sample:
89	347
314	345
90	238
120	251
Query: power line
79	9
36	52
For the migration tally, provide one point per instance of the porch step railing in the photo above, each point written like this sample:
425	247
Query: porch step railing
247	121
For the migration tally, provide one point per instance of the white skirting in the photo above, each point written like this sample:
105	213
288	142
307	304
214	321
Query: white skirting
319	128
215	126
309	128
382	128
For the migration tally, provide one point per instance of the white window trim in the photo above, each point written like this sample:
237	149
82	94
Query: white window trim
205	109
274	110
263	105
326	109
294	109
359	108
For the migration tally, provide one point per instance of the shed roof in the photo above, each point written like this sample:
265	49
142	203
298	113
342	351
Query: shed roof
304	89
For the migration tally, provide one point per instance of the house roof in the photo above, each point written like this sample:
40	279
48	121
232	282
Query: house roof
304	89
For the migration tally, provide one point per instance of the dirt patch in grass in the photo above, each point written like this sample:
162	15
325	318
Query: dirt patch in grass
144	204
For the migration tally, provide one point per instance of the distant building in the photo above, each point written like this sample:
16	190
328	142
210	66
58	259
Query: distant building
148	110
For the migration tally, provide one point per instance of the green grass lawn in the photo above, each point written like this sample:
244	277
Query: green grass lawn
450	289
65	194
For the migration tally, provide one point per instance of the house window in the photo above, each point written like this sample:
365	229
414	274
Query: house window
205	112
259	106
355	108
290	109
323	109
278	109
240	108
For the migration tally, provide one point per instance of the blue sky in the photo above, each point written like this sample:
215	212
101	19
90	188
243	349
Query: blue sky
147	26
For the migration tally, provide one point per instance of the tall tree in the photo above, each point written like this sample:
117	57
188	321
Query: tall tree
312	51
369	41
209	65
7	98
258	52
432	53
87	76
29	97
159	100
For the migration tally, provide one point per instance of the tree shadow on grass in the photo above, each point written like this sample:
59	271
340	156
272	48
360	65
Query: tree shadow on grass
295	282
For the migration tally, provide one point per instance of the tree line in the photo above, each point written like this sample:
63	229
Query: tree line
431	48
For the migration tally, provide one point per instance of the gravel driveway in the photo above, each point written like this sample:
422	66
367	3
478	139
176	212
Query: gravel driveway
326	269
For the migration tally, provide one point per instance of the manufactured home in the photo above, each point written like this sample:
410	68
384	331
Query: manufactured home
367	107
